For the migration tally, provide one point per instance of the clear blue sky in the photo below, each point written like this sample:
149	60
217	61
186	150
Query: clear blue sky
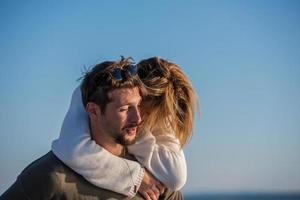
243	58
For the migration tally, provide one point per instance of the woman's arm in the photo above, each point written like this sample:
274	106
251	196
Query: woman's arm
162	156
77	150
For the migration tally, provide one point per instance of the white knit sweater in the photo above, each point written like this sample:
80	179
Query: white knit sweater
160	154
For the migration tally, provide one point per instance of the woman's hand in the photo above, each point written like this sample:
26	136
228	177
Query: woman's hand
150	187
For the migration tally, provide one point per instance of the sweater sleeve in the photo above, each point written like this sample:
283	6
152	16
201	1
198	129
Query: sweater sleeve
162	156
76	149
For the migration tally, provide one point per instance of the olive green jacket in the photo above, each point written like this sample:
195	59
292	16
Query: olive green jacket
49	178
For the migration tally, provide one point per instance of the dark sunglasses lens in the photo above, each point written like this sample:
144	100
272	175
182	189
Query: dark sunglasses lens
132	70
117	74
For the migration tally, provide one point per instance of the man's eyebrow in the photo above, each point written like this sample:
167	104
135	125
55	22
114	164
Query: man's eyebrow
128	104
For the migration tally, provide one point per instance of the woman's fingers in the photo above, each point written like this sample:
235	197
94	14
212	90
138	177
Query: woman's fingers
155	190
161	187
153	195
150	187
146	196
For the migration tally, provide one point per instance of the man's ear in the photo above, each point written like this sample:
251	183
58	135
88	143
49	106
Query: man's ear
93	110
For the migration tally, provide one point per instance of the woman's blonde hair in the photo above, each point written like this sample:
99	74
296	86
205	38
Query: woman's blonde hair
171	95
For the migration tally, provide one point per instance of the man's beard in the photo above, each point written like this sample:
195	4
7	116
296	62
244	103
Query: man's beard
121	137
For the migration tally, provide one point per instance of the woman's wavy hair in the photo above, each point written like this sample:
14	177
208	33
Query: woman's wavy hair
172	97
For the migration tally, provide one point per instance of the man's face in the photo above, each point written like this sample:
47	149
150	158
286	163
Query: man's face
121	118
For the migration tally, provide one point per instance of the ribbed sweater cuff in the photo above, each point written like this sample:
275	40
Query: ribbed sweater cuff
134	189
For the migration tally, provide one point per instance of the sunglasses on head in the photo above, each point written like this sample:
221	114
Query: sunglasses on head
120	73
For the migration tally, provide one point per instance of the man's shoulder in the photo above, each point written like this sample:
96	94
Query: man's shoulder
43	167
41	175
49	177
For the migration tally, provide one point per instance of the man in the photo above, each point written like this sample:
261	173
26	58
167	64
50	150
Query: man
112	92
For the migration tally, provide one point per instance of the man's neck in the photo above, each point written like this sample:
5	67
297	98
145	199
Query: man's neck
108	143
114	148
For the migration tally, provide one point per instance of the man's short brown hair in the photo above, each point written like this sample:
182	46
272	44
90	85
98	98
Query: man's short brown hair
102	79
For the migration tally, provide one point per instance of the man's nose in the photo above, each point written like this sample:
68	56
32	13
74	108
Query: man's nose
136	116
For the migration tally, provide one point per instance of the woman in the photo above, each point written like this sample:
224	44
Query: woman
168	114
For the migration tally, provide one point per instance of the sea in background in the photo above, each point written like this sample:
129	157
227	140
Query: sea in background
293	196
